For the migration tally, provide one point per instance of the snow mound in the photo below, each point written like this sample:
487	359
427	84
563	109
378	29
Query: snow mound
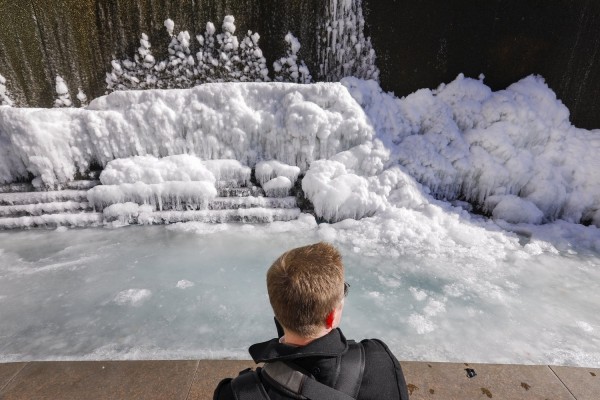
338	194
463	141
356	184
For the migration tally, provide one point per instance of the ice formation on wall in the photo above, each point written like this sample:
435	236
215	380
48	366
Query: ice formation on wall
5	99
215	58
63	98
343	48
141	73
289	68
83	100
252	59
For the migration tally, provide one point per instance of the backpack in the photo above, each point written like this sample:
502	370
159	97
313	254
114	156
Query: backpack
296	384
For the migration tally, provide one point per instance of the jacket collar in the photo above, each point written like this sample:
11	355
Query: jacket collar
331	345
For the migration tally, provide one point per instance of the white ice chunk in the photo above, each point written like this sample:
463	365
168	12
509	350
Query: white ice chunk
278	187
184	284
267	170
133	297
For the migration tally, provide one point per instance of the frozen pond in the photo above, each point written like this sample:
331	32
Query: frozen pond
198	291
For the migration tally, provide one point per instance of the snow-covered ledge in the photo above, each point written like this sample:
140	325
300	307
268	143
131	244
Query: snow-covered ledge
292	123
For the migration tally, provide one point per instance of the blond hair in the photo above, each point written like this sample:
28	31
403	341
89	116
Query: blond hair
305	284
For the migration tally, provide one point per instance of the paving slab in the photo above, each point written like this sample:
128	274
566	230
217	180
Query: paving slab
449	381
210	373
102	380
195	380
8	372
583	383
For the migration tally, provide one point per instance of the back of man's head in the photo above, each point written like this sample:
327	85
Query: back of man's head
305	284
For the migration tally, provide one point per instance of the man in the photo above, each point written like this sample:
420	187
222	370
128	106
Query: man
312	358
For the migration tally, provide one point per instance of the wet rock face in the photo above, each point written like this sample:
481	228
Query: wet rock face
423	43
418	43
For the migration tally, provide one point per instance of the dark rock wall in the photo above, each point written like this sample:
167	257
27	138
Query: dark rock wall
421	43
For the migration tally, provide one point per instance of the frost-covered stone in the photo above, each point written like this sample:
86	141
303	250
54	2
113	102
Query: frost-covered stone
267	170
278	187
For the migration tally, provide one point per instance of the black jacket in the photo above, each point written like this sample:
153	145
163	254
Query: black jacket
382	379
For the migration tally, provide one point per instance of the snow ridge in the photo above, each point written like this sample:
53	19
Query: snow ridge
248	122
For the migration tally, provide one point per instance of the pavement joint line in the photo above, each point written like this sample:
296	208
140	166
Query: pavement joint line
187	396
14	376
561	381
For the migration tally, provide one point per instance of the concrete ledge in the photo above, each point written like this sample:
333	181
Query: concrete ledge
193	379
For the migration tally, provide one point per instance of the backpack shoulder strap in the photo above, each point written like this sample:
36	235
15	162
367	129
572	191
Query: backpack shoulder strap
351	370
247	386
295	382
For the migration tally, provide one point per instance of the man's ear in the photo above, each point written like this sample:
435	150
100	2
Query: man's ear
330	319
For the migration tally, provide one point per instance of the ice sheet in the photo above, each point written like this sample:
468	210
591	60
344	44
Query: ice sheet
435	284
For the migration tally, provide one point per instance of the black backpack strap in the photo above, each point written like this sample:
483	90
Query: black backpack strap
352	369
346	387
299	384
247	386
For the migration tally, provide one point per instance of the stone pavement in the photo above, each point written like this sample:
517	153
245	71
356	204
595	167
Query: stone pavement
193	379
